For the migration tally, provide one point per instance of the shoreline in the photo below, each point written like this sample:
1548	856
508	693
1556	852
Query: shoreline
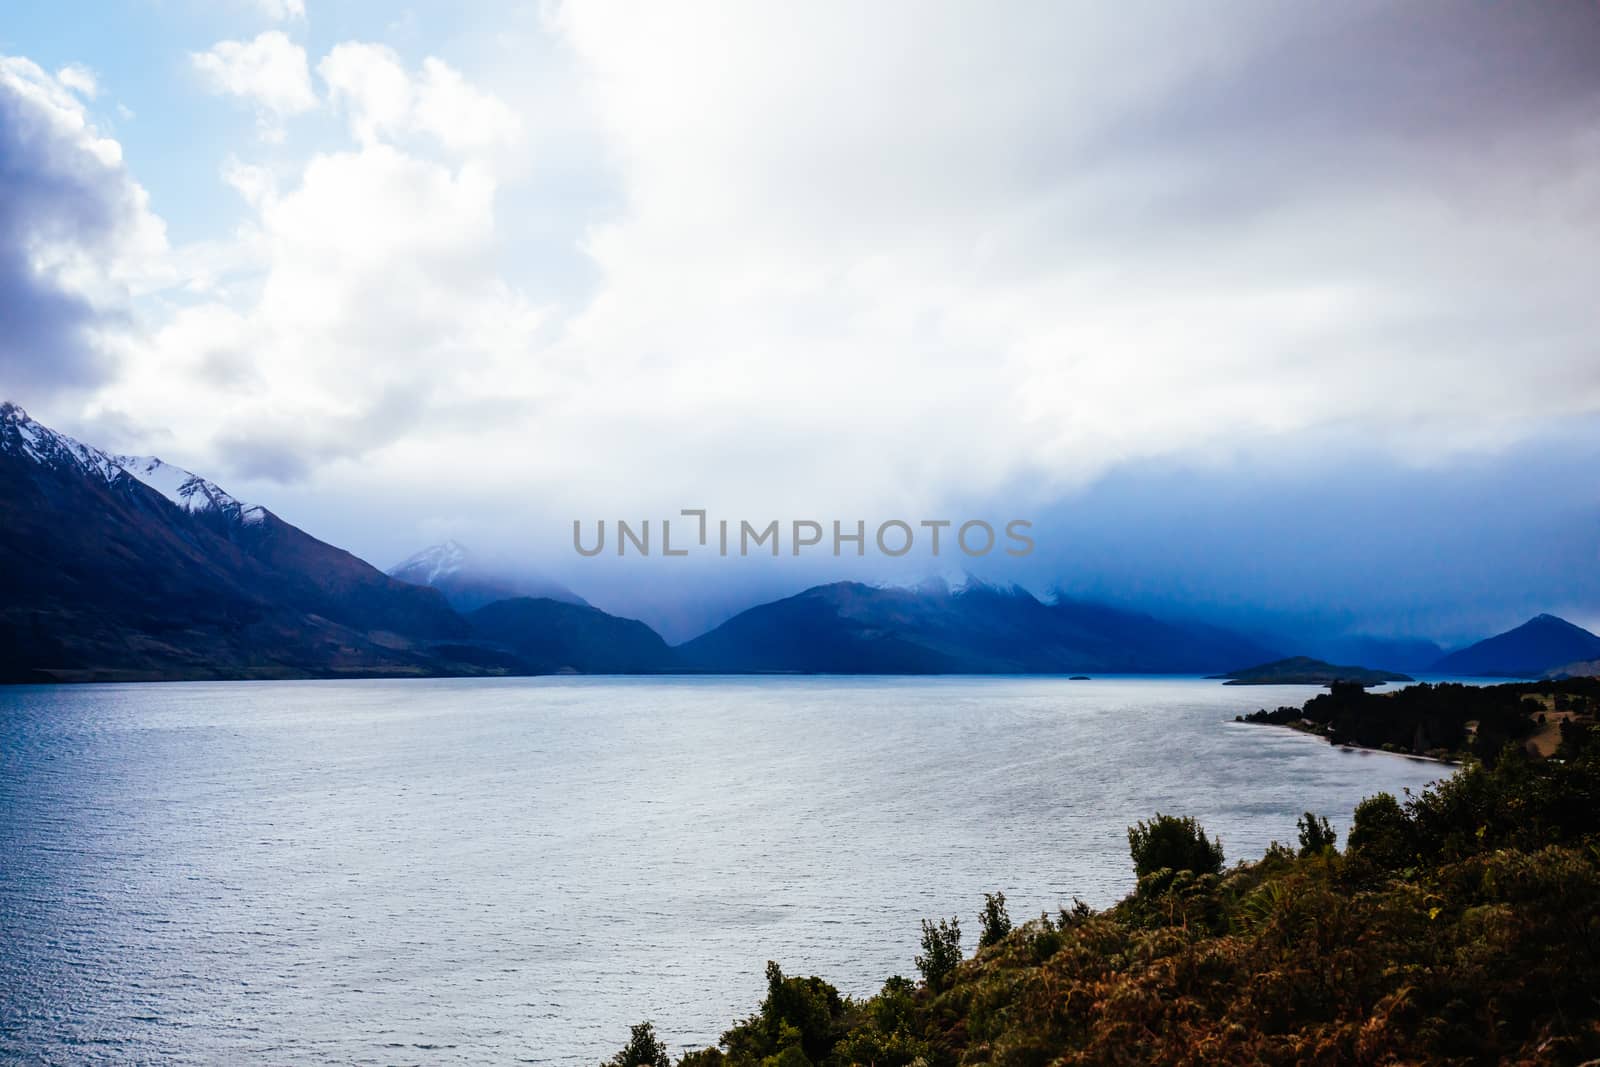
1308	732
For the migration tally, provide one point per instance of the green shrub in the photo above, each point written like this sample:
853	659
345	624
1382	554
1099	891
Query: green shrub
1172	843
1316	835
941	950
995	921
1381	834
642	1050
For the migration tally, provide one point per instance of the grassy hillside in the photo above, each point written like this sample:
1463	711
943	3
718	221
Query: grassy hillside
1460	926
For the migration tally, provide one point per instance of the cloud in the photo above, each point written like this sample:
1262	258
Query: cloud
80	79
382	100
282	10
77	238
270	71
894	255
360	299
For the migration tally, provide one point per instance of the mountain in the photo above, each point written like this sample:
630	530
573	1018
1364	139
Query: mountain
121	567
1303	670
1542	644
551	636
469	583
851	628
1389	653
1581	669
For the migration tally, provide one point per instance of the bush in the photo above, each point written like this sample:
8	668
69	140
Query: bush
801	1017
1316	835
1381	833
642	1050
941	950
1076	915
1167	842
995	920
886	1035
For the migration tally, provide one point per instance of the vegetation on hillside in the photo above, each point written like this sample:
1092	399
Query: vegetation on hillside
1447	720
1461	925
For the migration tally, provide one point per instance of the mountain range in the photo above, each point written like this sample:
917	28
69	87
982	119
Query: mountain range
118	567
850	628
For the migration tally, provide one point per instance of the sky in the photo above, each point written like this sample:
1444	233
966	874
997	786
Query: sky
1282	314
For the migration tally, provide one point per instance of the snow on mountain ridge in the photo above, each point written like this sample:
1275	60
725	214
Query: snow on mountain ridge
41	444
192	493
435	562
186	489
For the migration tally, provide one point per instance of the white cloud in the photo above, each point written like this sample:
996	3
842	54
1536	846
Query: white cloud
371	86
462	117
80	79
282	10
381	99
360	293
270	71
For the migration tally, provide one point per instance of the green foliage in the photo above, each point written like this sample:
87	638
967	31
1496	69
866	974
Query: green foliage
886	1035
703	1057
1316	835
941	950
1172	843
799	1023
1381	834
642	1050
995	921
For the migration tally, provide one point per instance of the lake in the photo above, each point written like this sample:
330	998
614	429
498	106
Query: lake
516	870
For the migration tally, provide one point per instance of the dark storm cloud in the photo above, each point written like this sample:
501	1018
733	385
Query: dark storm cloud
54	194
1447	74
1351	100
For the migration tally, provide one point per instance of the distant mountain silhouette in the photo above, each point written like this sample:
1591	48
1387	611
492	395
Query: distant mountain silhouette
550	636
469	582
1411	654
851	628
1540	645
1581	669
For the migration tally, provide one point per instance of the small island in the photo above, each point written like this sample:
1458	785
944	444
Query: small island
1303	670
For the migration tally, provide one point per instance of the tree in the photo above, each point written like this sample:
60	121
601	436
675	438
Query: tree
800	1021
941	950
1170	842
1380	832
996	922
642	1050
1316	835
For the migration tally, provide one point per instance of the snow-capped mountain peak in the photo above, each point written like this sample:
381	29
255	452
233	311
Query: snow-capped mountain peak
22	435
432	563
186	489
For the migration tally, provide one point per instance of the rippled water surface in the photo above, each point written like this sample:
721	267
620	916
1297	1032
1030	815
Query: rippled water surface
493	871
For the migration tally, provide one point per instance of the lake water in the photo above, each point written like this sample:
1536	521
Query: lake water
516	870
